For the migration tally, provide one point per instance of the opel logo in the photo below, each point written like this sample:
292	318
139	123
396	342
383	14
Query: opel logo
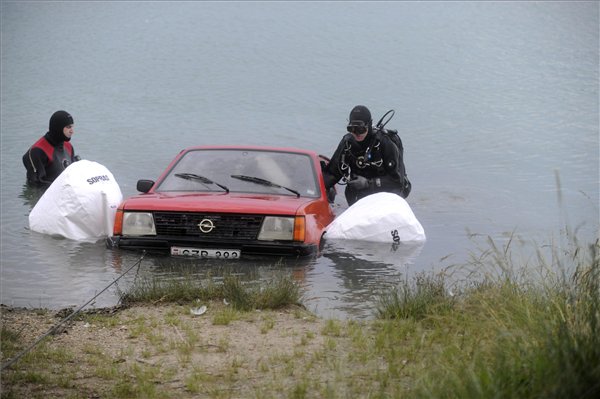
206	225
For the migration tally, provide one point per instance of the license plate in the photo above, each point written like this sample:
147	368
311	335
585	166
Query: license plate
206	253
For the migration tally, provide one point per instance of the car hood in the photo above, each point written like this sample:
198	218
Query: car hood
217	202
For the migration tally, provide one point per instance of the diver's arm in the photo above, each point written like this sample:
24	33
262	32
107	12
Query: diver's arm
391	155
332	173
74	158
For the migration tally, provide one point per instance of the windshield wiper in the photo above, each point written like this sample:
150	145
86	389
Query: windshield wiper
201	179
264	182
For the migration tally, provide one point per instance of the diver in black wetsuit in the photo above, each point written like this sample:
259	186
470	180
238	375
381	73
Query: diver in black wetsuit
52	153
367	160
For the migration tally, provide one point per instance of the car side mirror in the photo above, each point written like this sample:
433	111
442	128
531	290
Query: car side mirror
144	186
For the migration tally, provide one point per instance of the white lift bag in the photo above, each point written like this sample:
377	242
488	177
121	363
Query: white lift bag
380	217
80	204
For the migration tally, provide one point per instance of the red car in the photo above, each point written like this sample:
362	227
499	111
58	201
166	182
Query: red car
228	202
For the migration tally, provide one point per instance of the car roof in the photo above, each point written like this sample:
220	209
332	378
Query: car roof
250	147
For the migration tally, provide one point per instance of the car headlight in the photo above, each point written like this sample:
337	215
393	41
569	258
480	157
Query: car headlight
138	224
277	228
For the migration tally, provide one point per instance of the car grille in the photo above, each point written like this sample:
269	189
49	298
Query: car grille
238	227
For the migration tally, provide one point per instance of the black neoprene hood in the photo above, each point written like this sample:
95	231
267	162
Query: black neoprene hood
58	121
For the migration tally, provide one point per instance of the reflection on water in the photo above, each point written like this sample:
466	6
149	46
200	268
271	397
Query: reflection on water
259	270
347	279
31	195
394	255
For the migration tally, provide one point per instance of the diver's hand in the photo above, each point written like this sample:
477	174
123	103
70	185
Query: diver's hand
76	158
359	183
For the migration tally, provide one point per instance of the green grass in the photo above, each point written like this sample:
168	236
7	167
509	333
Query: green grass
425	296
512	334
273	294
9	339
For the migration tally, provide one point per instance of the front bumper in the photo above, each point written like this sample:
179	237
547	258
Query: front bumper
254	248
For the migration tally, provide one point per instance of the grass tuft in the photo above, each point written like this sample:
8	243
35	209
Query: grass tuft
426	296
277	293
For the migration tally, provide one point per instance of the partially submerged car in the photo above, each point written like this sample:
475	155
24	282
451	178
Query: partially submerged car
228	202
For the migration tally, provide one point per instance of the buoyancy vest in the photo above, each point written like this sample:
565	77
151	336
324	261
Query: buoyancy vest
59	157
363	160
49	149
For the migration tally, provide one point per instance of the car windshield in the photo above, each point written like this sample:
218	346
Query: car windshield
243	171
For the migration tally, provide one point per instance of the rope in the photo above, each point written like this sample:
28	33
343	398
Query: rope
69	317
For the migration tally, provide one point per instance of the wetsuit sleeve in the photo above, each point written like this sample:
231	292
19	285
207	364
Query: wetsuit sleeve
74	158
35	160
333	171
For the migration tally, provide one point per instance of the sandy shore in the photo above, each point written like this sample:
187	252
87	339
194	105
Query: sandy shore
222	353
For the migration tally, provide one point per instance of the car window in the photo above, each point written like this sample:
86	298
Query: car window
286	169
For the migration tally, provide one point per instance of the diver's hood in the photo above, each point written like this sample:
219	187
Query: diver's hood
58	121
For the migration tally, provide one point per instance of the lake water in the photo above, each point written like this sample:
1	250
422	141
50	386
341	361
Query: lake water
493	101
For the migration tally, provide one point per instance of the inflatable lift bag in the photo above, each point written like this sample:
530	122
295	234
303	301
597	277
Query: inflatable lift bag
381	217
80	204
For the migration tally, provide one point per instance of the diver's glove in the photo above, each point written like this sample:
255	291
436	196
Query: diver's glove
359	183
76	158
